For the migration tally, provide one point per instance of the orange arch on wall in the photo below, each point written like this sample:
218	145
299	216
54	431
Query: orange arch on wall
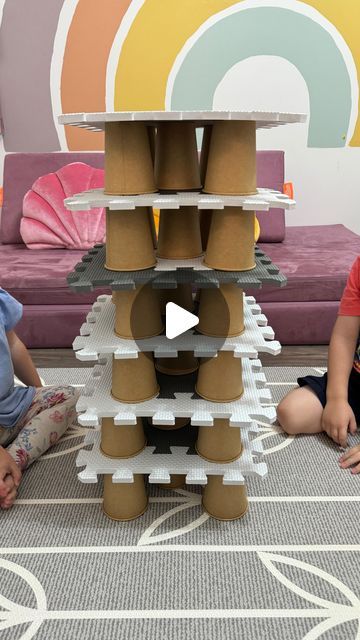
83	77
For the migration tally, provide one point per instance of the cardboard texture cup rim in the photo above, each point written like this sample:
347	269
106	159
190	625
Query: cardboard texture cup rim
230	519
215	335
219	459
206	397
134	401
132	455
229	268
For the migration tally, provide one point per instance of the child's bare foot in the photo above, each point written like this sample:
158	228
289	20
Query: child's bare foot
8	501
10	477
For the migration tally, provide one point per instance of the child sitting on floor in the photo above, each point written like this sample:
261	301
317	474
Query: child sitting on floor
331	403
32	418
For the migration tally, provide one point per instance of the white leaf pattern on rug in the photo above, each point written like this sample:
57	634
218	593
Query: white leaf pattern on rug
337	613
194	500
15	614
270	432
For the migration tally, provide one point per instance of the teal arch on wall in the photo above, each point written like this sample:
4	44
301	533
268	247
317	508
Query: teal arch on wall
276	32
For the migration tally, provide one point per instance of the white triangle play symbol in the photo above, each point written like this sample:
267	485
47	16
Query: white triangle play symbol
178	320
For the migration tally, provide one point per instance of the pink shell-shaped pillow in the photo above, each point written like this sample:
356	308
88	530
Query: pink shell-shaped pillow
47	224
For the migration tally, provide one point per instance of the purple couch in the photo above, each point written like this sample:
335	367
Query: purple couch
316	261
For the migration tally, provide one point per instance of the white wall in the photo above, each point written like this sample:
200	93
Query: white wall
324	179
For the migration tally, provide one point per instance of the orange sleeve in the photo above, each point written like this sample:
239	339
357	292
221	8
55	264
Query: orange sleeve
350	301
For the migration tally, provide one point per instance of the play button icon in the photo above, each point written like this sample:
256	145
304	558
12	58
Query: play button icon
178	320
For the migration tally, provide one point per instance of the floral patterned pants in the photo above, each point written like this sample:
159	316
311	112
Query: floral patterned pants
49	415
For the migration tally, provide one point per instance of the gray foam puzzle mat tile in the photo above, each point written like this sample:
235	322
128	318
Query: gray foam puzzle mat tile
98	337
262	201
160	467
96	121
177	398
91	273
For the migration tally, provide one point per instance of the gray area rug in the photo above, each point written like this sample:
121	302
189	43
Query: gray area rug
288	570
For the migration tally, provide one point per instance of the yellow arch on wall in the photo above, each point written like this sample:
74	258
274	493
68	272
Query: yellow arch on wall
161	29
156	36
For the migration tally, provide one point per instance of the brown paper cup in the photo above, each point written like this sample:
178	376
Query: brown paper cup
181	296
152	226
204	155
224	502
176	157
137	313
220	443
231	165
129	242
134	380
120	441
176	481
128	163
220	379
182	365
205	217
221	312
231	244
179	234
179	424
124	501
152	139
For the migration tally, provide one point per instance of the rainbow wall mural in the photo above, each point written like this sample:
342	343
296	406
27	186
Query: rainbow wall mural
83	55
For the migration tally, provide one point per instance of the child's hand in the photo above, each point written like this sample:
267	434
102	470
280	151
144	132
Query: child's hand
8	501
337	418
8	467
351	457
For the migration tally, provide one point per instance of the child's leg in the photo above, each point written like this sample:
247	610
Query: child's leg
51	412
300	412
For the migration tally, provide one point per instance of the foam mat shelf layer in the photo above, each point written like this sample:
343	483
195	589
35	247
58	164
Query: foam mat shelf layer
177	399
167	274
98	337
262	201
96	121
160	467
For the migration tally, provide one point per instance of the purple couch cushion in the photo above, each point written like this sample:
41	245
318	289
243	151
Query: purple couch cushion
270	175
20	172
39	276
316	261
22	169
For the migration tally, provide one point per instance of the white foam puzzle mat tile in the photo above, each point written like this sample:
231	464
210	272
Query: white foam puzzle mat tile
262	201
98	337
96	121
177	399
91	273
159	467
